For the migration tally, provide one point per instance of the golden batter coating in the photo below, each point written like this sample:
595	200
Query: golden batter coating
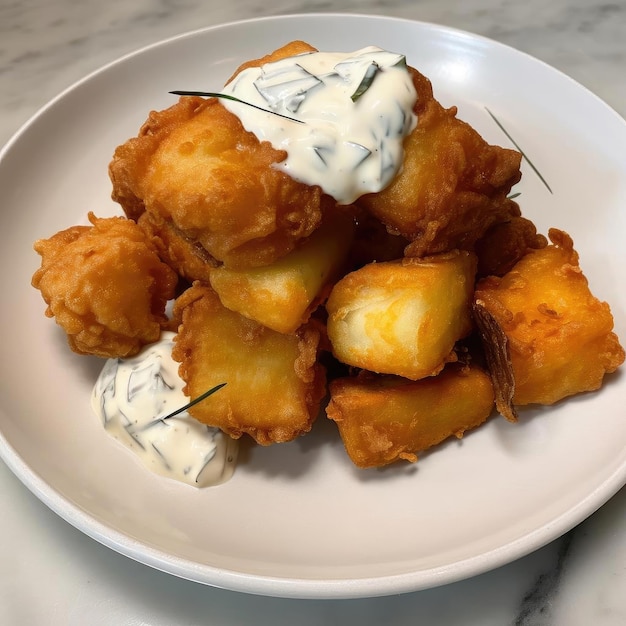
505	243
383	419
274	383
195	165
560	337
184	255
283	295
453	185
105	286
402	317
397	272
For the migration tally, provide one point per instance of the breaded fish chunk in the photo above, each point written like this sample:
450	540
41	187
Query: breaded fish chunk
402	317
282	295
560	337
505	243
453	185
383	419
105	286
195	165
274	384
183	254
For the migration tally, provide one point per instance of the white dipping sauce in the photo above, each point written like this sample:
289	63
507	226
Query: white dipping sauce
132	396
349	114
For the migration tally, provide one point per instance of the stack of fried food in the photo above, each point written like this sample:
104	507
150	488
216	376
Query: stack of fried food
413	312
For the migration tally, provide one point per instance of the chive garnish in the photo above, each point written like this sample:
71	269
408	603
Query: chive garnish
225	96
193	402
201	397
366	82
160	454
497	121
207	460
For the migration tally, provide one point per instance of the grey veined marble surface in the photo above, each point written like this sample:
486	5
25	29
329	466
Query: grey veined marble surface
46	46
52	574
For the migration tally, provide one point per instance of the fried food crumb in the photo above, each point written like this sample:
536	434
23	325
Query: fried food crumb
105	286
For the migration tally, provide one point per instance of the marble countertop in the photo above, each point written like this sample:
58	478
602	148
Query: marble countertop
52	574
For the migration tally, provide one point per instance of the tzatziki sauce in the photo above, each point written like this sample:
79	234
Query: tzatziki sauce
341	117
133	396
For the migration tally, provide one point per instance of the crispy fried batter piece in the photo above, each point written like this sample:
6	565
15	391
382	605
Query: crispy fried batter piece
453	185
105	286
383	419
274	383
560	337
283	295
184	255
505	243
373	242
263	251
195	165
402	317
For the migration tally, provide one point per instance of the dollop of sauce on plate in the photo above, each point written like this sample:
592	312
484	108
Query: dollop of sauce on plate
133	396
341	117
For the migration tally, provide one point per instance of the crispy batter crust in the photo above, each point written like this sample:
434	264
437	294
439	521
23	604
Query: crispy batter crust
105	286
274	381
453	185
195	166
185	255
560	337
402	317
383	419
264	253
505	243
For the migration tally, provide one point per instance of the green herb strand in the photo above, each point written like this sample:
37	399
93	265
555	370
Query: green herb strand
366	82
201	397
225	96
497	121
195	401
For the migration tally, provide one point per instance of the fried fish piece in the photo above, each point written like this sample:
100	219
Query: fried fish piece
373	242
383	419
195	165
505	243
453	185
402	317
131	160
105	286
274	384
560	336
183	254
283	295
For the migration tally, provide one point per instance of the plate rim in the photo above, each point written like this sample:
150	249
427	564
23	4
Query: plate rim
302	588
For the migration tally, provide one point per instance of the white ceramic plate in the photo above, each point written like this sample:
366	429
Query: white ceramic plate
298	520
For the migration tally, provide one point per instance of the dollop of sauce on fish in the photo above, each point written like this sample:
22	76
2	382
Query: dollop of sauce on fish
341	117
133	396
